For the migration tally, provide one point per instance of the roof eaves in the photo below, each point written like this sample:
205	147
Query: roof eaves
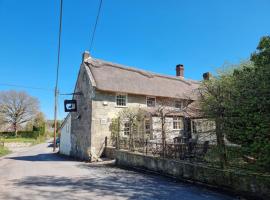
90	74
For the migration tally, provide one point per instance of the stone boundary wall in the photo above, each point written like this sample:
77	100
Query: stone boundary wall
250	186
109	152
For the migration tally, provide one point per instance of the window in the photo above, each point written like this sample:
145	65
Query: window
177	123
150	101
178	104
126	128
147	126
121	100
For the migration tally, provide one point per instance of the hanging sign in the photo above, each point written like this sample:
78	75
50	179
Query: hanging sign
70	105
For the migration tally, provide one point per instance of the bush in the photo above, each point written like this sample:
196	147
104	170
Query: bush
25	134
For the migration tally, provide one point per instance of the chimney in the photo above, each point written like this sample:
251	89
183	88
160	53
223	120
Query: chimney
85	55
206	76
180	70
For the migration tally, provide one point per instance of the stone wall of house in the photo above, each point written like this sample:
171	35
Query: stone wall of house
81	120
104	109
170	132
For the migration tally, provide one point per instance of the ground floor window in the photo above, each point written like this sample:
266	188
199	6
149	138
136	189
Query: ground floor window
177	123
126	128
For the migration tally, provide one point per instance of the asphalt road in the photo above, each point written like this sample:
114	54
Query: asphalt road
37	173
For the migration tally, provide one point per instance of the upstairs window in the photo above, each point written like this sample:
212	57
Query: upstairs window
178	104
150	101
177	123
121	100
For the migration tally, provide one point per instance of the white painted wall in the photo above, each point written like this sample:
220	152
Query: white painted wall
65	144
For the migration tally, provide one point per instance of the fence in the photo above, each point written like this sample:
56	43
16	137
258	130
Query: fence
200	152
167	150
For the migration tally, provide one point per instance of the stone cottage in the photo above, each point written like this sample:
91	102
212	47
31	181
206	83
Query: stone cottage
104	88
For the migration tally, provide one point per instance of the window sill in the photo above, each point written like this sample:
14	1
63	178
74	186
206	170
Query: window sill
121	106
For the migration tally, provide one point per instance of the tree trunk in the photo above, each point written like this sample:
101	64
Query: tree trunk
221	143
15	129
163	136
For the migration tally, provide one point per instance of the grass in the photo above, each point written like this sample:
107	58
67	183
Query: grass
33	141
3	151
20	140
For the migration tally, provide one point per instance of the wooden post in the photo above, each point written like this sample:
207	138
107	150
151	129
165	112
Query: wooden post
146	143
106	141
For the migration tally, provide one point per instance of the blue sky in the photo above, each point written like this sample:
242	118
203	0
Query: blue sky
153	35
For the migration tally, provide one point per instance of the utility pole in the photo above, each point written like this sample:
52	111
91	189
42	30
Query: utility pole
57	75
55	117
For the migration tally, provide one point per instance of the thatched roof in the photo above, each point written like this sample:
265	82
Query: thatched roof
118	78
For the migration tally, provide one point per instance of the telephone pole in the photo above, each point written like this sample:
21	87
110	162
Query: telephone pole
57	75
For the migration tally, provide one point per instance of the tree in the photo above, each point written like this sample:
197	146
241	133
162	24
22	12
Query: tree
239	101
37	123
17	108
251	102
214	95
131	118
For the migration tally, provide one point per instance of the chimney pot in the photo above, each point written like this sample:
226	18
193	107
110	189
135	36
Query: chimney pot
206	76
85	55
180	70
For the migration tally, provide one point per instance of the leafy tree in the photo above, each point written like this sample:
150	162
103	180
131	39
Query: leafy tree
250	106
239	101
133	118
214	95
37	124
17	108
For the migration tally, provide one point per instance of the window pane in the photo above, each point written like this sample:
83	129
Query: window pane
177	123
121	100
151	101
147	126
178	104
126	128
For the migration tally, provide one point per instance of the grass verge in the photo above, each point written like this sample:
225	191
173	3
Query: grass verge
3	151
38	140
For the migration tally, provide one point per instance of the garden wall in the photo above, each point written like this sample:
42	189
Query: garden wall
109	152
255	187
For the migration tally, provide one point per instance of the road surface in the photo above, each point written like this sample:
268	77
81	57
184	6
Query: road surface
37	173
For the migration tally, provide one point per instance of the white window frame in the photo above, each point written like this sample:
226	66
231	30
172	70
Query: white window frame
179	120
122	94
152	98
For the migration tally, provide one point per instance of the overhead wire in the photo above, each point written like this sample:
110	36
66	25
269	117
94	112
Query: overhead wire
95	26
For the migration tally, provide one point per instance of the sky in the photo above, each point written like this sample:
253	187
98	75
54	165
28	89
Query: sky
153	35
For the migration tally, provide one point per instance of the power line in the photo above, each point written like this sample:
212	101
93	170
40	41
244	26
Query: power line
27	87
57	75
95	27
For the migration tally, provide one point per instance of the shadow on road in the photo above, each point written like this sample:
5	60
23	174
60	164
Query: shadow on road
104	182
41	157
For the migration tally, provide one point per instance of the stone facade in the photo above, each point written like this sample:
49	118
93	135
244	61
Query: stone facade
81	121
